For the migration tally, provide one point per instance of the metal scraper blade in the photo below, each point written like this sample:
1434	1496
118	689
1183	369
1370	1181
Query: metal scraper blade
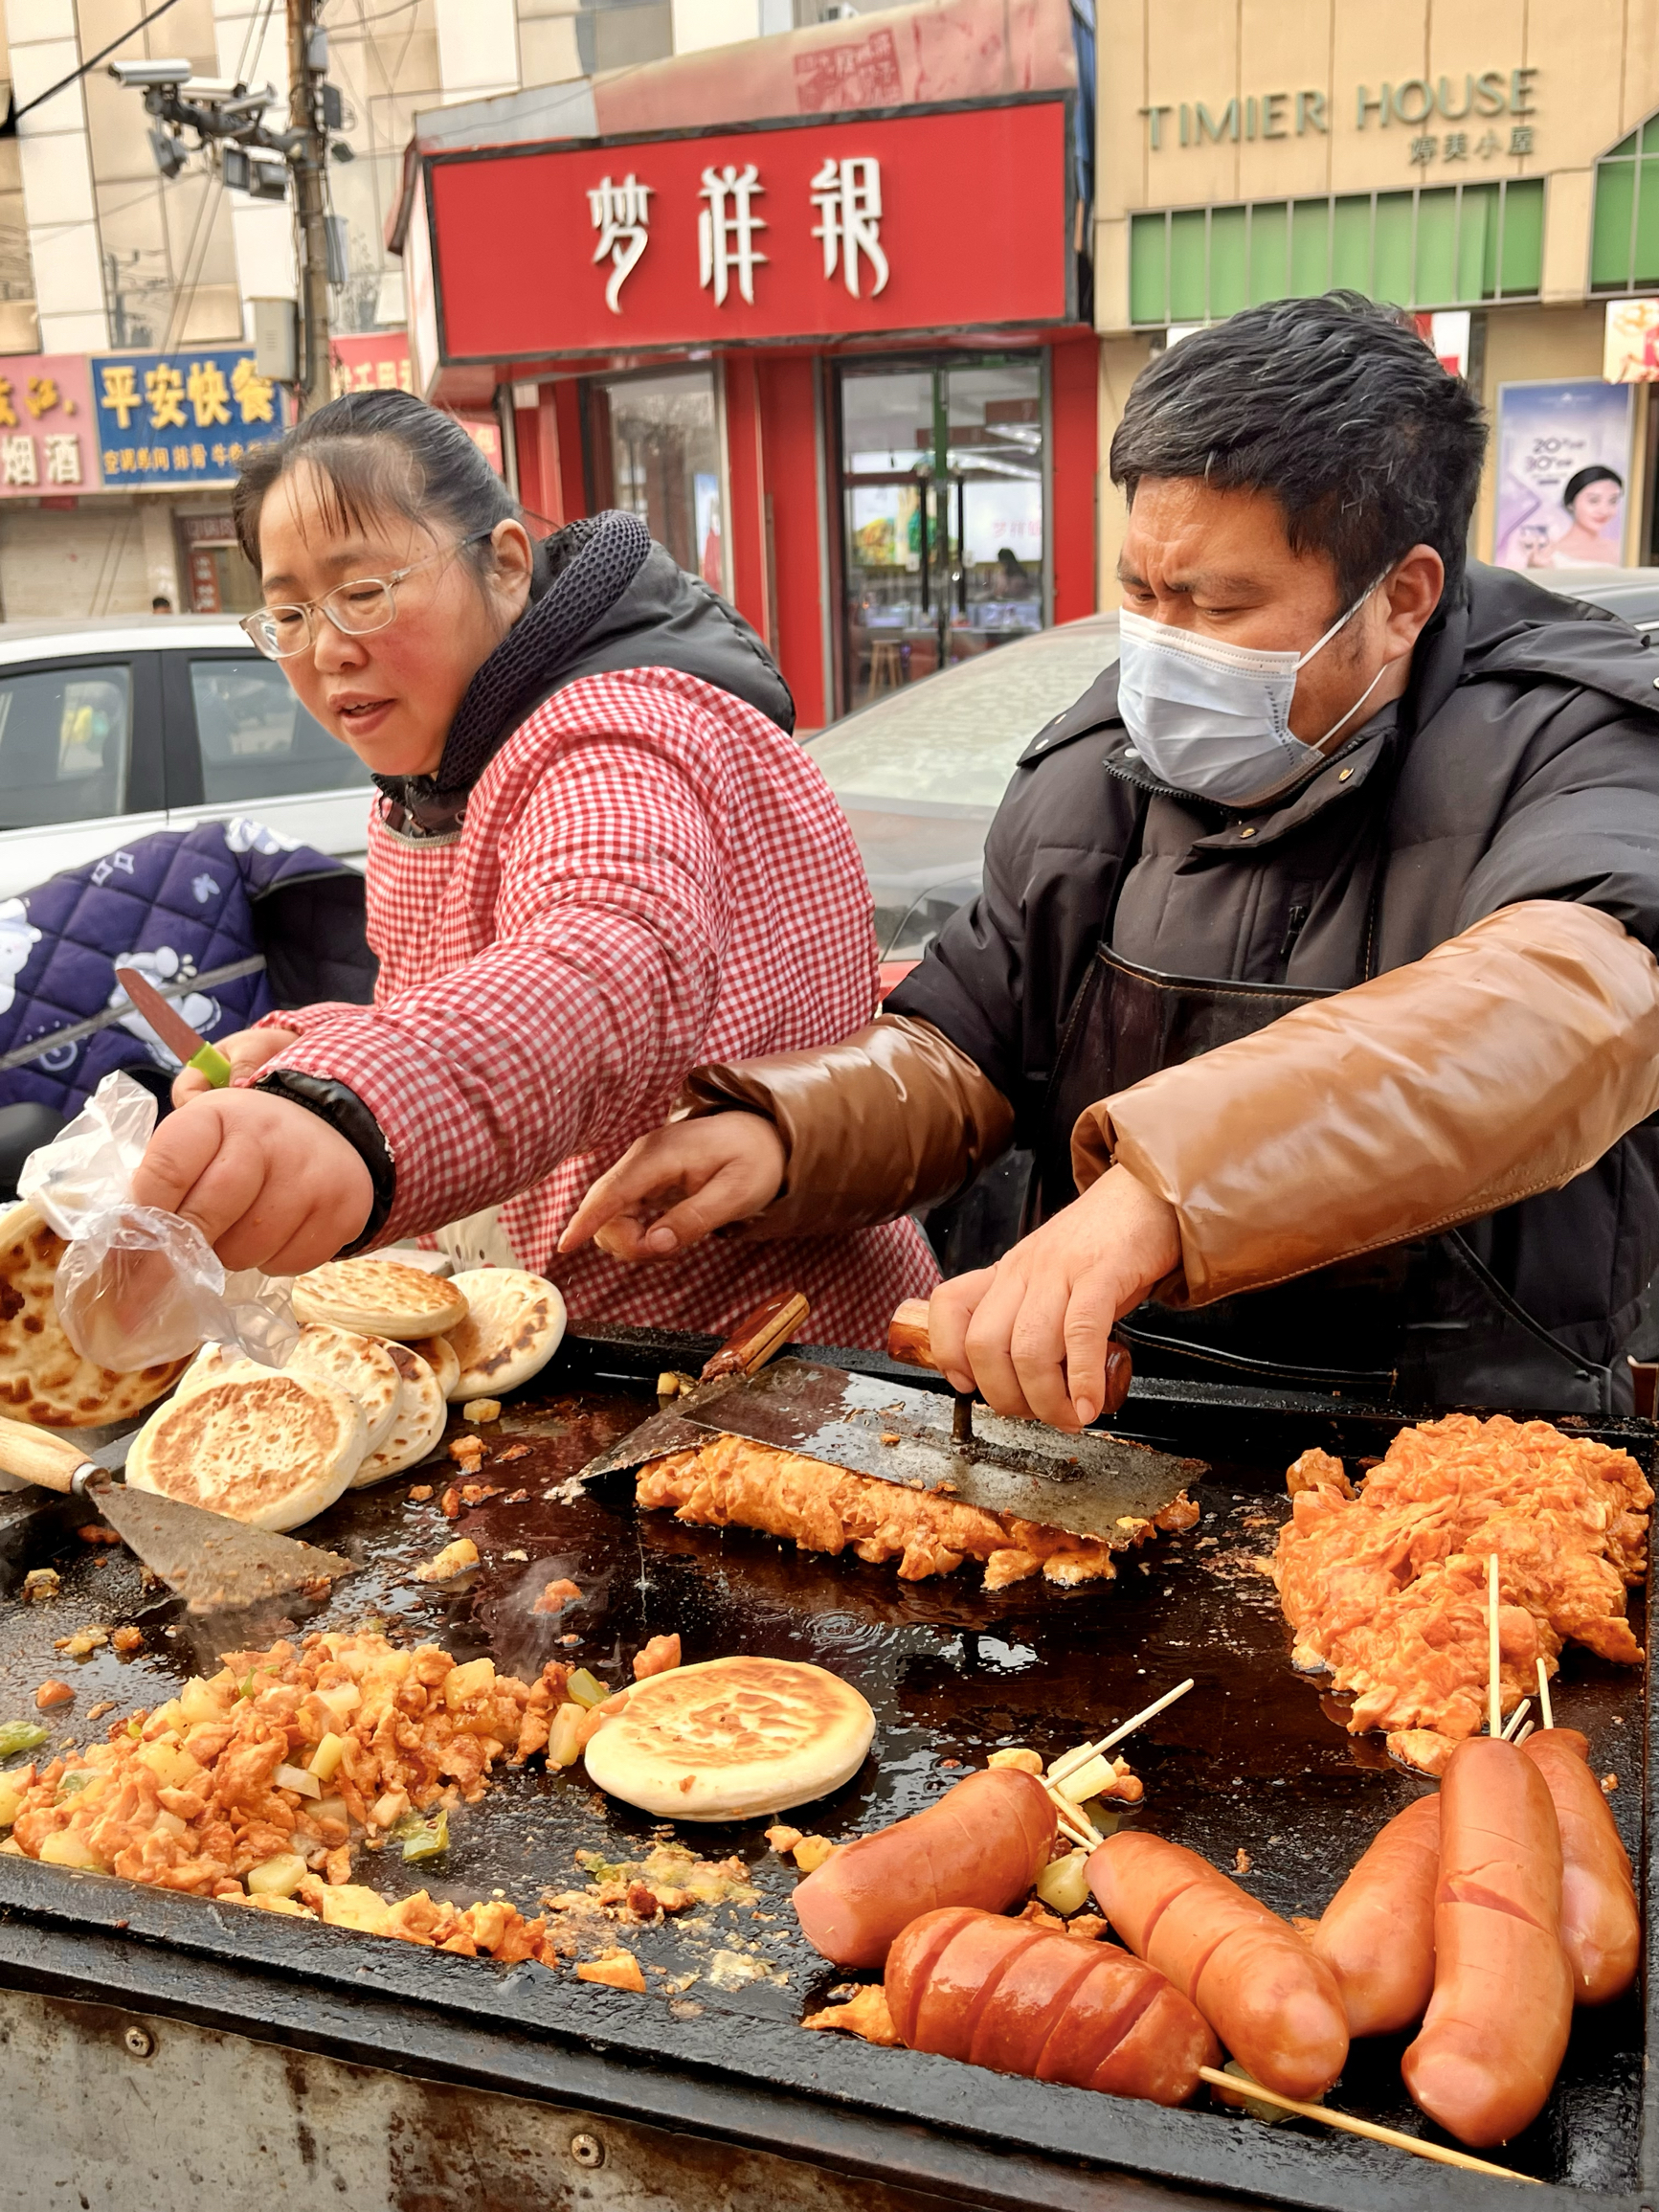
216	1563
1094	1484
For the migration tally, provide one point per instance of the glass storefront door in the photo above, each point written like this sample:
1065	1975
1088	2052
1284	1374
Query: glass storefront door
944	549
654	448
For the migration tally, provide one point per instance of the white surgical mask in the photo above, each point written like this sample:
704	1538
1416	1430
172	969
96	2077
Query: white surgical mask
1214	718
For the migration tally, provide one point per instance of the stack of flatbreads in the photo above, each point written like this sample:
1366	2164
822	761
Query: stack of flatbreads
384	1349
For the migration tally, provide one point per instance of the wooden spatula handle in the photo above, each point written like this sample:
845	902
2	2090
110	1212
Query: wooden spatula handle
759	1336
35	1456
909	1341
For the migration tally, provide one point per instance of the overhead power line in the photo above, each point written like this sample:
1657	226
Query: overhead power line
9	128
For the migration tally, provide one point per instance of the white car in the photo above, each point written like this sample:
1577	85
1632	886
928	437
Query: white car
113	726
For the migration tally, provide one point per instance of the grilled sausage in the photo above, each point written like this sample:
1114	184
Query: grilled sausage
1601	1925
983	1844
1272	2002
1022	2001
1496	2028
1378	1933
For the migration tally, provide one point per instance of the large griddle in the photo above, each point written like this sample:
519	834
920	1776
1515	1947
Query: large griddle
1250	1761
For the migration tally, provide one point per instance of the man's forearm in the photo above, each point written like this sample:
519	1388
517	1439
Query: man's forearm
892	1118
1504	1063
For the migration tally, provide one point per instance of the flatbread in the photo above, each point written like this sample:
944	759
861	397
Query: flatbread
379	1297
43	1379
515	1323
361	1366
218	1364
271	1449
419	1421
731	1738
438	1353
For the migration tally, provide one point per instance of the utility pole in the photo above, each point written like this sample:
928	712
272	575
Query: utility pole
308	66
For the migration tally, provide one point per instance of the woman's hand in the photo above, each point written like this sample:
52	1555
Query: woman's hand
672	1188
1030	1332
268	1184
246	1050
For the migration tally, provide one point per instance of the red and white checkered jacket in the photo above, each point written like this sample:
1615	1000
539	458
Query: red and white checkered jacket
651	874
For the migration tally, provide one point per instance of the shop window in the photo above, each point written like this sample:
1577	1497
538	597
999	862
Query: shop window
654	448
63	745
944	549
1444	247
1624	235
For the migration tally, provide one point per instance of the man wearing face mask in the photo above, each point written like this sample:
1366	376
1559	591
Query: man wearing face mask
1314	955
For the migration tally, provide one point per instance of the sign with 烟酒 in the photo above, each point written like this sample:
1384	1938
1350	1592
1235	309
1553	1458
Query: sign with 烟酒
171	418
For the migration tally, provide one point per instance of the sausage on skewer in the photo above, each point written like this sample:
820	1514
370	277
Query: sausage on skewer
983	1844
1601	1925
1021	2000
1272	2002
1378	1932
1496	2028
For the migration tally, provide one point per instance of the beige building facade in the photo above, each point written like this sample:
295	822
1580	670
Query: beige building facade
1486	163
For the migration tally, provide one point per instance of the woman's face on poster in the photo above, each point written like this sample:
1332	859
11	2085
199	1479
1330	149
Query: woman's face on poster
1597	504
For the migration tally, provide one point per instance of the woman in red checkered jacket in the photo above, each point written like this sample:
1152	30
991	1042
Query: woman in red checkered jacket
597	858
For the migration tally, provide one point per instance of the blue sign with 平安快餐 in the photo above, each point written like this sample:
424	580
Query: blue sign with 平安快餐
182	417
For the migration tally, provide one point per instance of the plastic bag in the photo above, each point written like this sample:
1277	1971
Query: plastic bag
138	1287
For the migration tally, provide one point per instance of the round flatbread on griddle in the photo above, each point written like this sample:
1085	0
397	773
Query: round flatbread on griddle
270	1448
416	1425
360	1367
730	1739
438	1353
218	1364
379	1297
43	1379
515	1323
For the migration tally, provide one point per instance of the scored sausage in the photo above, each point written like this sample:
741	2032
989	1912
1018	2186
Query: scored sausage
1023	2001
1600	1924
983	1844
1496	2028
1272	2002
1378	1932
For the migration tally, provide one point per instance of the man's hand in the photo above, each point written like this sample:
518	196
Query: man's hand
247	1051
673	1187
1031	1332
268	1184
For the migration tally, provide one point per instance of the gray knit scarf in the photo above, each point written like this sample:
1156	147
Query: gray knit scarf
581	573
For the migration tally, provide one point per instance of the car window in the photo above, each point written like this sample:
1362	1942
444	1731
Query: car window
63	745
955	738
258	741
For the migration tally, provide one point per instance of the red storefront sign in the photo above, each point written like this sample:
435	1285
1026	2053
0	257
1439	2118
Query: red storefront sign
930	220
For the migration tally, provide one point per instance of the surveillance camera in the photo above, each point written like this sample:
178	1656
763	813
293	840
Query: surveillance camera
149	74
170	151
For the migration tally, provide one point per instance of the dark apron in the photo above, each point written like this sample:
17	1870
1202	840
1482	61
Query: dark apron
1421	1325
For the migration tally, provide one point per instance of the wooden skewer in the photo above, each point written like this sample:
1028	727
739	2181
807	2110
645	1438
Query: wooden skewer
1544	1713
1495	1704
1516	1718
1525	1733
1074	1822
1242	2085
1070	1761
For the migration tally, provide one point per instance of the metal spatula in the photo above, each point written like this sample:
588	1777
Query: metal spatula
1094	1484
215	1563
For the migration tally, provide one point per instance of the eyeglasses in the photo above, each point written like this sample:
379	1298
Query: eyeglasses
355	609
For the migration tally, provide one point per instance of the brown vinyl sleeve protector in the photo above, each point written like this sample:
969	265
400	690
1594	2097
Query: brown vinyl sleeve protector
892	1117
1504	1062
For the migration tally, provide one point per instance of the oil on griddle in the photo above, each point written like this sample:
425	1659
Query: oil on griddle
1254	1761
